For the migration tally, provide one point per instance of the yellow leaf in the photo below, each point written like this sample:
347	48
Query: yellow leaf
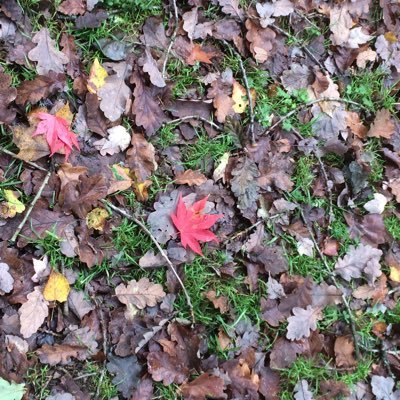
96	218
57	288
12	206
239	97
140	189
394	274
65	112
97	77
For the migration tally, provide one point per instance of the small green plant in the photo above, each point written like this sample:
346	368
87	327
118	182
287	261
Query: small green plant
205	150
376	160
392	224
166	136
303	178
368	87
105	387
38	377
184	77
135	6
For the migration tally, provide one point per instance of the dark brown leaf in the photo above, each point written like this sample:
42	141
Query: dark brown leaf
204	386
7	95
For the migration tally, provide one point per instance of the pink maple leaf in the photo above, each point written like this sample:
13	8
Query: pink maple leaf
58	133
193	225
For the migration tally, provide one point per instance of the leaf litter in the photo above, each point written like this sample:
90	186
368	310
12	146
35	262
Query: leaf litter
199	200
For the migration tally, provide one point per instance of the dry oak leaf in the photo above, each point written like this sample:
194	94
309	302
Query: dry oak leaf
166	368
383	388
302	322
363	259
41	87
261	40
57	288
231	7
340	24
364	57
140	158
97	77
344	349
356	126
190	177
7	95
115	94
219	302
11	206
193	225
120	180
145	108
203	387
61	353
72	7
301	391
140	293
222	101
45	53
383	125
190	21
30	148
33	313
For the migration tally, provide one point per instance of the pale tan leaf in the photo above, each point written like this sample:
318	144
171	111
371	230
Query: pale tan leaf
383	125
190	177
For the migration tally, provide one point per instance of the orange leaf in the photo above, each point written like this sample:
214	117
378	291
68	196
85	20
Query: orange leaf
198	54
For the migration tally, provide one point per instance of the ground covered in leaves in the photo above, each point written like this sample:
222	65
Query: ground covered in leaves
199	199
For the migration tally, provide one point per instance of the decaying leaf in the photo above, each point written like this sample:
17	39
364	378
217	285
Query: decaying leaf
383	387
150	66
6	279
11	206
97	77
7	95
204	386
118	140
302	392
57	287
383	126
45	53
302	322
190	177
141	294
97	218
344	350
363	259
33	313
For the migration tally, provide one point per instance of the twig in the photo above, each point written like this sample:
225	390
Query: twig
105	350
243	232
32	164
310	103
160	249
178	120
28	213
247	86
171	43
336	283
328	187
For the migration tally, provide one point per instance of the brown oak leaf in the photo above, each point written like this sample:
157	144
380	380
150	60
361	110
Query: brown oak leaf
344	349
72	7
7	95
302	322
190	177
203	387
383	125
261	40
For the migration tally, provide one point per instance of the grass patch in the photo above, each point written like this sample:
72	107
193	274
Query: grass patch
38	377
369	89
376	160
107	389
303	178
392	224
206	150
166	136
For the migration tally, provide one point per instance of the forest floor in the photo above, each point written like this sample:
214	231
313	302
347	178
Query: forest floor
199	199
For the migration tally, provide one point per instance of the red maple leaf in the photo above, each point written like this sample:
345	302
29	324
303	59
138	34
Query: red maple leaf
58	134
193	225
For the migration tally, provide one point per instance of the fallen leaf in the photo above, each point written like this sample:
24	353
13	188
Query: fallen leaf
199	54
260	39
33	313
363	259
96	218
91	19
7	96
58	133
274	289
193	225
144	390
140	293
45	53
220	92
6	279
383	387
78	303
97	77
190	177
219	172
11	206
61	353
72	7
150	66
127	373
203	387
340	24
115	94
377	205
344	350
356	126
383	125
302	322
231	7
118	140
57	287
395	274
357	37
301	391
239	97
145	108
11	390
364	57
220	302
40	87
151	260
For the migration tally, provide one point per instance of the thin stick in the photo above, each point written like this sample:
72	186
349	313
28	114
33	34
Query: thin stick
336	283
159	248
32	164
172	37
247	86
178	120
243	232
105	350
310	103
28	213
